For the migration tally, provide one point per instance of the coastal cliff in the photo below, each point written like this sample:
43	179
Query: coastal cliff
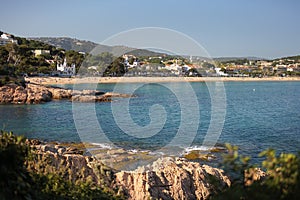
35	94
166	178
172	178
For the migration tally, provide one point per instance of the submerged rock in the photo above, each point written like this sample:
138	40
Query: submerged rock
90	98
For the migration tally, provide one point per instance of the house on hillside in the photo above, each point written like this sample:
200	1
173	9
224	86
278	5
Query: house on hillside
66	70
38	52
219	72
7	38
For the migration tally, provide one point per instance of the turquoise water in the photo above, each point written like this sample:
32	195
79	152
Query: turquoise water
259	115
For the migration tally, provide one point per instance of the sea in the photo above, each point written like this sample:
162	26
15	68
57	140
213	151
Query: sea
254	116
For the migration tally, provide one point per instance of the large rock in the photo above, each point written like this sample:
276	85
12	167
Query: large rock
170	178
7	93
34	94
90	98
59	93
64	161
37	94
20	95
166	178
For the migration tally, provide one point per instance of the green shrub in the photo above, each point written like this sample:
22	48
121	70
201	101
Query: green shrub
14	178
282	179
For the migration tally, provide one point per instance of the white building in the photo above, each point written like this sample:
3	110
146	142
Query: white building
135	64
38	52
66	70
6	38
174	67
219	72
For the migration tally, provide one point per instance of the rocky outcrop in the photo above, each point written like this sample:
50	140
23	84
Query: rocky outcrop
166	178
7	93
170	178
107	97
70	163
90	98
34	94
59	93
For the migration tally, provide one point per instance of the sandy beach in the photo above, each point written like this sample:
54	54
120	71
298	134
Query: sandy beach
59	80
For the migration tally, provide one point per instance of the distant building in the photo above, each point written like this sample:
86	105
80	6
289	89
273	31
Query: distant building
186	67
264	63
7	38
135	64
219	72
281	68
173	67
64	69
38	52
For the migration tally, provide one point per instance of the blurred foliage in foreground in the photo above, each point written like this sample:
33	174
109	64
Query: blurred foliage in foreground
280	178
17	182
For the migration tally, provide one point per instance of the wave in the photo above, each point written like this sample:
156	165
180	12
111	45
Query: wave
102	145
204	148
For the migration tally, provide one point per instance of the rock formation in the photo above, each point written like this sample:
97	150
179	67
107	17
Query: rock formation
34	94
170	178
70	163
166	178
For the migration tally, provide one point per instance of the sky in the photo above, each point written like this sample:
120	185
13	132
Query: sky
225	28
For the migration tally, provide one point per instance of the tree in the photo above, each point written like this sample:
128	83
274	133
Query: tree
13	55
116	68
44	70
3	55
74	57
208	65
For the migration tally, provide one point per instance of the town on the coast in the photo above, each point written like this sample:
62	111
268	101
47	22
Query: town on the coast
30	57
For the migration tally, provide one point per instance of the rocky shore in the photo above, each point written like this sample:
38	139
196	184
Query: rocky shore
165	178
35	94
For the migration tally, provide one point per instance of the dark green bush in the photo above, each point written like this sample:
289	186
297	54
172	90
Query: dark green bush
282	179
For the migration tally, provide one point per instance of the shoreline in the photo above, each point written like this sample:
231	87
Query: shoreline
59	80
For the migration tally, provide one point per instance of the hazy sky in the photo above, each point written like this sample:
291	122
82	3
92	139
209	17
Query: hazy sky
263	28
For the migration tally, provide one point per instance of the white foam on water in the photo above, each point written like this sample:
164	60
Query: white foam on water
197	148
103	145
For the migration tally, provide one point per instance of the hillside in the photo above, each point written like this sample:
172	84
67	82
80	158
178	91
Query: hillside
67	43
297	58
91	47
32	57
227	59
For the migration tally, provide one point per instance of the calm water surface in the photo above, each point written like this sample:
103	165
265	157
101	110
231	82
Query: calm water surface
259	115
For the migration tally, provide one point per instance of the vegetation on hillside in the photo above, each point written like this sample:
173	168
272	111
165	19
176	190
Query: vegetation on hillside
68	43
18	59
88	46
